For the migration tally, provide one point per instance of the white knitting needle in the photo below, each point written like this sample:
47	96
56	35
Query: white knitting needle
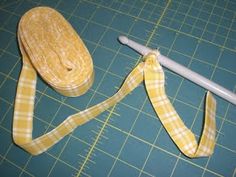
183	71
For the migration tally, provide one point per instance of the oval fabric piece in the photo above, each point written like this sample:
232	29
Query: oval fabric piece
56	51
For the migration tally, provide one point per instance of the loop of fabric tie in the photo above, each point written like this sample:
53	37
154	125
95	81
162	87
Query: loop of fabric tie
183	137
51	48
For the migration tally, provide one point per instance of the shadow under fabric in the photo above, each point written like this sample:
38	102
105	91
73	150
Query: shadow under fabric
51	48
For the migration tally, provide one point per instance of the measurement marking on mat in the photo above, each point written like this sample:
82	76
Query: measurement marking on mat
95	142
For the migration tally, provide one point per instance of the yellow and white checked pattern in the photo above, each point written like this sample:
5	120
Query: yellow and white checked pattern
180	134
64	63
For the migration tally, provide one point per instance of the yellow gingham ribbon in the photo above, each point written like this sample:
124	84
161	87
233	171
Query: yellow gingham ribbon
41	60
179	133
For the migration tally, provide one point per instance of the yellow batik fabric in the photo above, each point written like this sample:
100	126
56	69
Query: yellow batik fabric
51	48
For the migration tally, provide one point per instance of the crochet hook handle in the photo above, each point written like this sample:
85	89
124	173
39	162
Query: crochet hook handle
183	71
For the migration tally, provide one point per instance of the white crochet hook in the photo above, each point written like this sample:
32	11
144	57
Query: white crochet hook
183	71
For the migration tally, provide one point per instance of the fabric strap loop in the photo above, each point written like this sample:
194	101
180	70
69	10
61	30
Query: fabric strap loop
40	61
185	140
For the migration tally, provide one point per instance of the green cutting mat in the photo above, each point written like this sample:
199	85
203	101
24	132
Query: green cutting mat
127	140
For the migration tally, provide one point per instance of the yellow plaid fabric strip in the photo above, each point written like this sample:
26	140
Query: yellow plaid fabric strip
180	134
61	75
23	114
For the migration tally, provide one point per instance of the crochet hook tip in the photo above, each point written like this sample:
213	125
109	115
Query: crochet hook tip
143	50
123	40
